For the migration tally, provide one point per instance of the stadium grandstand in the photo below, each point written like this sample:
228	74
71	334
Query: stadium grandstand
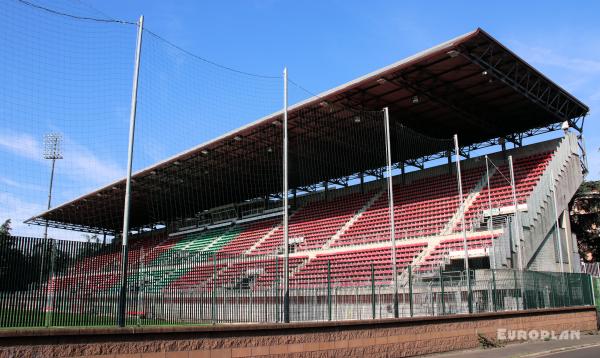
207	225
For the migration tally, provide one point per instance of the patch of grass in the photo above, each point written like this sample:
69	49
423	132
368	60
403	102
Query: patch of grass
486	342
10	319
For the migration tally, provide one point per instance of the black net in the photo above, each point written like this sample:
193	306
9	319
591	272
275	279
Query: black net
64	99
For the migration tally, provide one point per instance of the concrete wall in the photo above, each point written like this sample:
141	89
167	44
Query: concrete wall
373	338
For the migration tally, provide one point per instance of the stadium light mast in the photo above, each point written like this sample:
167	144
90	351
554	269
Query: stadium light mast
464	229
52	151
286	239
125	235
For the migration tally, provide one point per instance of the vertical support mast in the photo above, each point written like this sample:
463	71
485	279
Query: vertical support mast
491	215
286	268
516	204
560	251
487	176
463	223
388	154
125	235
50	195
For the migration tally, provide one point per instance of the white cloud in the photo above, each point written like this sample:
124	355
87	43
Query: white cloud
547	57
80	162
85	166
20	185
18	210
21	144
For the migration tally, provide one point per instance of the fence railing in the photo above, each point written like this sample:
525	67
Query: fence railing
47	283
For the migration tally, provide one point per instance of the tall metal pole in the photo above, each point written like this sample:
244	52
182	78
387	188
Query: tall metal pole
560	251
286	239
491	219
50	294
390	190
125	237
464	228
517	221
52	151
489	188
46	226
50	195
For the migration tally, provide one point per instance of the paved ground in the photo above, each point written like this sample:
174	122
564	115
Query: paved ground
580	352
587	346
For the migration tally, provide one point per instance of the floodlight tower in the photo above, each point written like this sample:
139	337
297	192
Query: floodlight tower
52	151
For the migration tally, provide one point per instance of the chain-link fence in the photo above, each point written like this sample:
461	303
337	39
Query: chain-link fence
66	283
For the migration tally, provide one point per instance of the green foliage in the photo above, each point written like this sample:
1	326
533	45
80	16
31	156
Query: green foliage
585	218
5	228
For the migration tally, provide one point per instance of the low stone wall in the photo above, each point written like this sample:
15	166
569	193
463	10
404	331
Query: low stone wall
372	338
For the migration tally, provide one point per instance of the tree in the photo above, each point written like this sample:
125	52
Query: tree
13	262
5	228
585	219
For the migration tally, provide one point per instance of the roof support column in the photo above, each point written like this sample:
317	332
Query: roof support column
449	155
403	171
362	182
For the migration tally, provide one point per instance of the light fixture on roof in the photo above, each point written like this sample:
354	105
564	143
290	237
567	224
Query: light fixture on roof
357	119
205	172
381	81
484	73
324	104
180	181
453	53
204	152
177	162
115	188
276	123
270	150
153	172
237	138
415	99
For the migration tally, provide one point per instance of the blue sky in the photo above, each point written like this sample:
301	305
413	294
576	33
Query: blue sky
75	78
326	43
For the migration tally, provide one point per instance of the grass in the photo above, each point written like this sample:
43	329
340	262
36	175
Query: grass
12	319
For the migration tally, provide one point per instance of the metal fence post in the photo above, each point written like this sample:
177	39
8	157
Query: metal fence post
50	298
524	284
469	292
373	291
494	292
410	290
214	291
329	290
569	303
592	294
277	293
442	291
516	289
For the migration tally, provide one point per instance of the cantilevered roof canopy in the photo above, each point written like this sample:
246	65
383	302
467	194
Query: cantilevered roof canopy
472	86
